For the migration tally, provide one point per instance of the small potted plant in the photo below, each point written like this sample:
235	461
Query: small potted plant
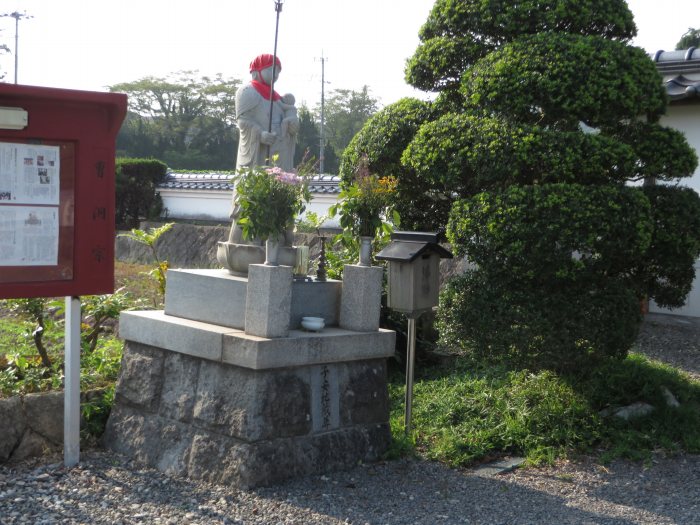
268	201
364	205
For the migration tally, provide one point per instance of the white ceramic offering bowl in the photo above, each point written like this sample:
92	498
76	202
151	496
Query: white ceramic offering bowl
313	324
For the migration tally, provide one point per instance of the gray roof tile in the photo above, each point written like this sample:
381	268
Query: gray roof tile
681	72
214	181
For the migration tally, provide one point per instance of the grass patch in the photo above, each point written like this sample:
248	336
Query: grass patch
474	413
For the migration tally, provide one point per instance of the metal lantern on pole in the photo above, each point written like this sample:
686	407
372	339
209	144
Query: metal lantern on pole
413	287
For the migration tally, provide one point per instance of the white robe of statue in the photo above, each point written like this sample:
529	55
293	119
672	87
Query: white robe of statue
252	116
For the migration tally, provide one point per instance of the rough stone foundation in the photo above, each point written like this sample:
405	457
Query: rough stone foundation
190	416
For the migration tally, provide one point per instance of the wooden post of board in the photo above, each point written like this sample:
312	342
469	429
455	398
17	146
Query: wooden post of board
71	399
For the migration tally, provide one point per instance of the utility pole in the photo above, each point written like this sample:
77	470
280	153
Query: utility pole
321	156
17	16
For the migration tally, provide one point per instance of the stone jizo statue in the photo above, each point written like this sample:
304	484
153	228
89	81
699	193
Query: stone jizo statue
261	145
257	145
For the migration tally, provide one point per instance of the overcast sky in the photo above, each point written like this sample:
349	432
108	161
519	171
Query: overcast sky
91	44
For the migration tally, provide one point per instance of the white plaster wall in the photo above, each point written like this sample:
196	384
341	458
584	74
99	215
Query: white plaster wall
686	118
197	205
216	205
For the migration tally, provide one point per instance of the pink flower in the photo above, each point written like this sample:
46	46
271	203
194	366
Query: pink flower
285	176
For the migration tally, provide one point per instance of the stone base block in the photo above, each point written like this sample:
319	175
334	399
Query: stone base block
189	416
185	451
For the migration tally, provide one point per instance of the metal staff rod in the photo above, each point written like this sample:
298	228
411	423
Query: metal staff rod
278	10
410	364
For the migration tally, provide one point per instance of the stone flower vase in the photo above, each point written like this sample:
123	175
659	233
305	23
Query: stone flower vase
365	251
272	251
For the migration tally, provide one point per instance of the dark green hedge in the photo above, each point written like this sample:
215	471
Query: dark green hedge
554	280
136	195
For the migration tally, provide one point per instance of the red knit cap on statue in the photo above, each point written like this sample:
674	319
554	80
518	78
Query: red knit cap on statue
264	61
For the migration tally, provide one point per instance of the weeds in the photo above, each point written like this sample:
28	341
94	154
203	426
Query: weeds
94	413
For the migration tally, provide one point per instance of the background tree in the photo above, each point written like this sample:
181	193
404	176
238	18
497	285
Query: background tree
346	111
690	38
307	137
564	249
185	120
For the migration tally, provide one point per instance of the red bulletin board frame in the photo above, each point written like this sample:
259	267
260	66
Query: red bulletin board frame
84	124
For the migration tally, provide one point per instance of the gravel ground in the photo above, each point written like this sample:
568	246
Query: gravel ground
110	489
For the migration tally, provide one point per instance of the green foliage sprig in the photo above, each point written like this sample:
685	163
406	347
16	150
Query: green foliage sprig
35	311
269	199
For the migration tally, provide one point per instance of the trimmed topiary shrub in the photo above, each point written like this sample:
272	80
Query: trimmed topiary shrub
564	79
565	326
546	234
544	113
458	34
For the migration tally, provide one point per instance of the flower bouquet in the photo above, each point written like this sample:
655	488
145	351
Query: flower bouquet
365	205
268	199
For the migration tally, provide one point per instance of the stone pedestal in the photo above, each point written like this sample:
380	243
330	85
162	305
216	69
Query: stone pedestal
268	303
361	298
198	399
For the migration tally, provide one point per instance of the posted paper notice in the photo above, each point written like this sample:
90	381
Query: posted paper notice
29	174
29	204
